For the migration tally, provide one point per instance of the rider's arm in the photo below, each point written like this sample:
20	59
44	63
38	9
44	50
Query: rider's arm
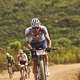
27	34
47	37
28	45
48	41
26	58
13	59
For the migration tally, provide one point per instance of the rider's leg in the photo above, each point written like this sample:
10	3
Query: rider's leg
8	68
9	65
29	65
12	67
26	64
26	69
35	68
46	62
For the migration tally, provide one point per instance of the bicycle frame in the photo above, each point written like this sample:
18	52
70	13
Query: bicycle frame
23	73
41	65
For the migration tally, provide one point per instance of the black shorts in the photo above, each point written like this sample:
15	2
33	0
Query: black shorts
22	62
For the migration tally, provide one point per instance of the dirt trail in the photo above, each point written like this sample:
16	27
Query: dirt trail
58	72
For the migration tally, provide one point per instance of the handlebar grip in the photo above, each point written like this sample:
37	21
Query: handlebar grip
26	51
54	48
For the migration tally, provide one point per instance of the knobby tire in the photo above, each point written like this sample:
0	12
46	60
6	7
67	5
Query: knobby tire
10	72
42	69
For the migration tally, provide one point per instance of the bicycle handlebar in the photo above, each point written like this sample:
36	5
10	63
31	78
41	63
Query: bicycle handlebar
54	48
28	51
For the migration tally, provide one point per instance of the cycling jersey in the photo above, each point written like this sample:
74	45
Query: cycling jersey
22	62
37	36
10	59
22	57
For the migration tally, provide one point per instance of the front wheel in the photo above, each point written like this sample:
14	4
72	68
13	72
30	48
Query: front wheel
22	74
10	72
42	70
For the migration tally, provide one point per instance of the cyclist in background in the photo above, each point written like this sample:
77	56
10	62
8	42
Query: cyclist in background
37	37
23	60
28	56
10	59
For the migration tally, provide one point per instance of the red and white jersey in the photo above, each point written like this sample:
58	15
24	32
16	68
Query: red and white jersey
36	36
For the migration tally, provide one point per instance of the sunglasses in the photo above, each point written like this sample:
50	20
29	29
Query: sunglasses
35	27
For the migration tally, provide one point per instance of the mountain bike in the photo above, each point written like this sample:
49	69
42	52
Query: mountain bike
41	66
10	70
23	72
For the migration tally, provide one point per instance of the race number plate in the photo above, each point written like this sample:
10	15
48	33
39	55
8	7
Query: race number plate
40	52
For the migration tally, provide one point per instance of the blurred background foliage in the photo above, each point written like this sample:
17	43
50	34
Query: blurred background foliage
61	17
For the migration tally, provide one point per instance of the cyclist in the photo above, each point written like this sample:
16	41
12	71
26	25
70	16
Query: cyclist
37	37
23	60
10	59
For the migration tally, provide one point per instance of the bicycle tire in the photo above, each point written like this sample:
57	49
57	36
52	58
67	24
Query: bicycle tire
10	72
22	75
42	70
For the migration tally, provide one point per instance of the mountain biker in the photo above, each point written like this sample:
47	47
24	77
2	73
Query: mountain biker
37	37
10	59
23	60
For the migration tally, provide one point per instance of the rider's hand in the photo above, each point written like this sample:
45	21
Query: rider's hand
33	50
48	49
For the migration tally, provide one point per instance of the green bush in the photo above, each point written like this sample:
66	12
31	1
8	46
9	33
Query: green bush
65	55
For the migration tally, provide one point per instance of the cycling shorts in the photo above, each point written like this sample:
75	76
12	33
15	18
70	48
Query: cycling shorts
22	62
37	45
11	62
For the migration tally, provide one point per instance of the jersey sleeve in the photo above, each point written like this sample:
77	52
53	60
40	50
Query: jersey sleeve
46	32
27	34
26	57
12	58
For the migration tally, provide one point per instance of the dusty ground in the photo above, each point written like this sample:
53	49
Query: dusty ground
58	72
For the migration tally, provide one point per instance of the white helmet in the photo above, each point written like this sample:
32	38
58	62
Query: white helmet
7	54
21	51
35	22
